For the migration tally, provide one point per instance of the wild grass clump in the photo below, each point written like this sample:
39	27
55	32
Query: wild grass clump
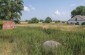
29	41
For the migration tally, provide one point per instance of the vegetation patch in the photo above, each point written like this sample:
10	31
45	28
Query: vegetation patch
29	41
1	24
83	23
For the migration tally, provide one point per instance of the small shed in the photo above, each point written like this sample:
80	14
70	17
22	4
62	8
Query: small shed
8	25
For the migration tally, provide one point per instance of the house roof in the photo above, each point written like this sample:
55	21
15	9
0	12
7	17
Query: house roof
78	16
82	17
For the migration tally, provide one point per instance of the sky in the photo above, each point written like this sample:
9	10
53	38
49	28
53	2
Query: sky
56	9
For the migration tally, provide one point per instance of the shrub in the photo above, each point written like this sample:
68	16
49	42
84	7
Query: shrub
33	20
1	23
83	23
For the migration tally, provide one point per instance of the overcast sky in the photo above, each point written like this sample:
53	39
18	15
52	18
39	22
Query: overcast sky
56	9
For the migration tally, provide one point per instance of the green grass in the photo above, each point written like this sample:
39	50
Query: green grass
28	41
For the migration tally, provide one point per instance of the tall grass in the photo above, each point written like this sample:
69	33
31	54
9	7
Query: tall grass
28	41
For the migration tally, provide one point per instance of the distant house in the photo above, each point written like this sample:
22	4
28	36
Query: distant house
77	20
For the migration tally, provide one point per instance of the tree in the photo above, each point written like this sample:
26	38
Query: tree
34	20
48	20
80	10
11	9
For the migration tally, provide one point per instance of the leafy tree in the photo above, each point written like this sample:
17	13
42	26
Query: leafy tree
48	20
80	10
34	20
11	9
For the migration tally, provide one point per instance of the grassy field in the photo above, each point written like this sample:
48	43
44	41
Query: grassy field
28	39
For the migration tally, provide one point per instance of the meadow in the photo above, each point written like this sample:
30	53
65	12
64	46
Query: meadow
28	39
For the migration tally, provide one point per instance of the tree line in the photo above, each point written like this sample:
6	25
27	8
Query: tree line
47	20
36	20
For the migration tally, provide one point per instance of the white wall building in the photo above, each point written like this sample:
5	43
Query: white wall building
78	19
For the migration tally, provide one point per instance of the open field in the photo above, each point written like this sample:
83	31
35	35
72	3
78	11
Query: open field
27	39
60	26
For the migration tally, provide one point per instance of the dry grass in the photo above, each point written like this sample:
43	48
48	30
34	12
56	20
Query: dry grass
53	26
6	48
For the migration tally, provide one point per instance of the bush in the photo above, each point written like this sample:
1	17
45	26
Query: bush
1	23
83	23
33	20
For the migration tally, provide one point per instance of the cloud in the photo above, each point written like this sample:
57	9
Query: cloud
28	8
57	12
